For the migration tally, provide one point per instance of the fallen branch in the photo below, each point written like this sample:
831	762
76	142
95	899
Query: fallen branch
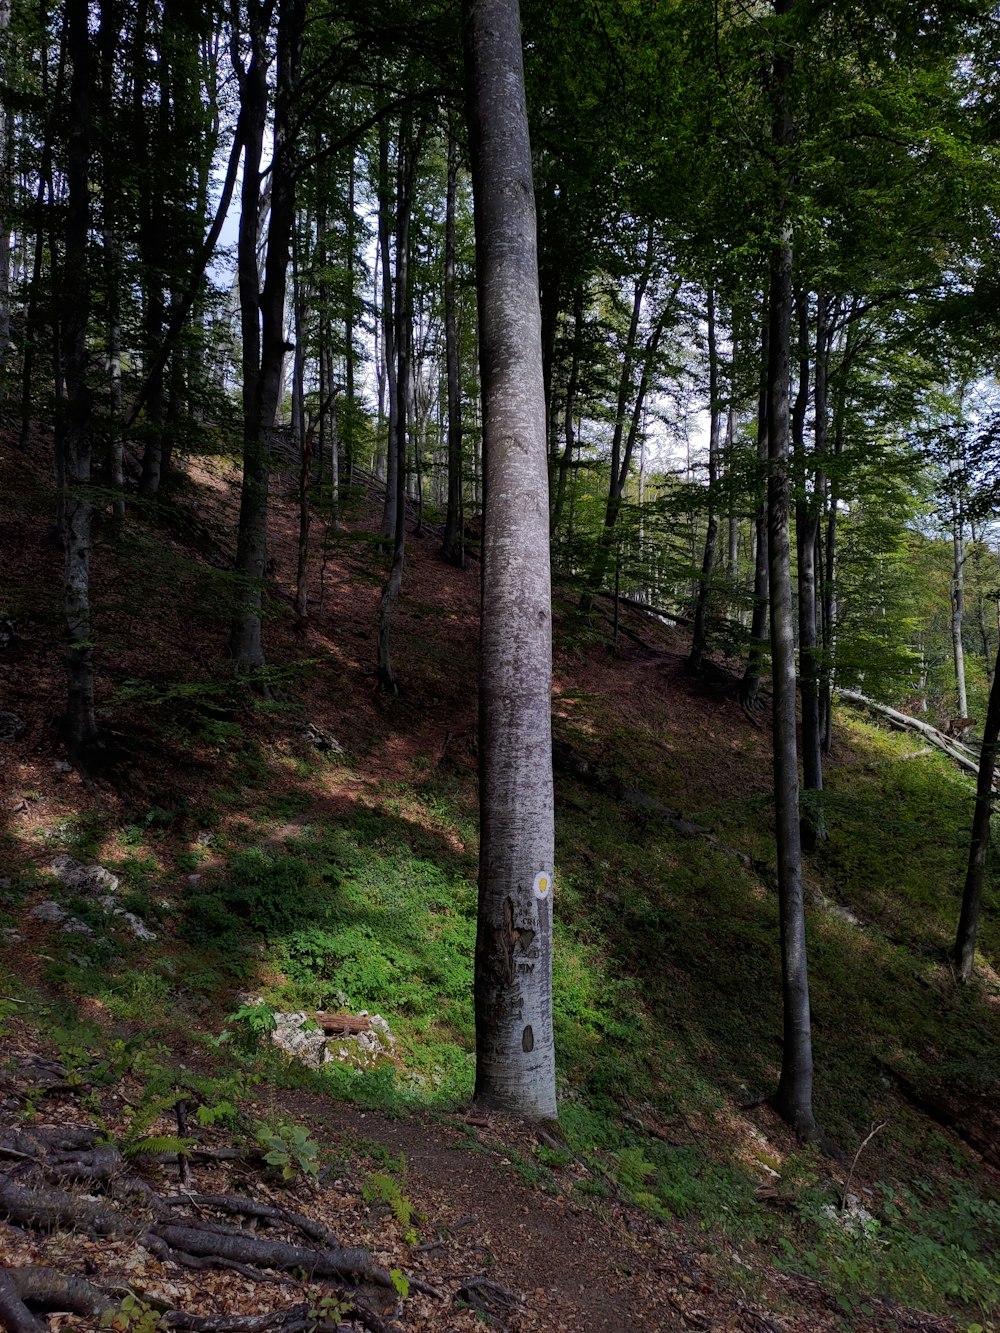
237	1247
238	1206
861	1147
961	754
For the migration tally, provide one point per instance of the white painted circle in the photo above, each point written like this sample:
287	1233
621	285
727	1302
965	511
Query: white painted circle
543	884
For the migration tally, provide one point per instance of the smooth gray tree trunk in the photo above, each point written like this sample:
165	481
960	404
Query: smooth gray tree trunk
793	1098
515	1053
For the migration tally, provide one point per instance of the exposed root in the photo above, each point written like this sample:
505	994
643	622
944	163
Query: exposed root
46	1289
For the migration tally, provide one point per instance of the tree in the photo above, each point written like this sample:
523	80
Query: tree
793	1099
513	972
262	306
972	896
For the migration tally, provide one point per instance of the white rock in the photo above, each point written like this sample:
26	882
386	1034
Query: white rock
84	879
74	926
50	912
136	924
290	1035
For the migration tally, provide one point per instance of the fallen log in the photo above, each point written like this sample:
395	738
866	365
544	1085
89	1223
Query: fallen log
955	750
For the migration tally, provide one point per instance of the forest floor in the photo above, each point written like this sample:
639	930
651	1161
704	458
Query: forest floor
317	849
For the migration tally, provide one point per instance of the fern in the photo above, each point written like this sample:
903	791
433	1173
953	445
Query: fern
156	1143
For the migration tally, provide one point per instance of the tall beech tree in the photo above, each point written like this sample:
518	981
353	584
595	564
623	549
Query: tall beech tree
793	1098
515	1053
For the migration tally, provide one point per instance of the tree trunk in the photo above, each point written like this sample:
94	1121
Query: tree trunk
958	610
750	684
566	458
263	346
406	170
6	204
793	1098
305	476
349	312
972	895
75	444
732	546
830	606
618	474
388	526
515	1052
813	826
451	547
53	99
700	635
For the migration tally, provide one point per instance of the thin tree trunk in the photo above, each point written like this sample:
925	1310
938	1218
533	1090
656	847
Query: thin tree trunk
700	632
305	477
813	825
793	1098
618	473
52	99
451	547
349	311
515	1065
6	203
958	609
732	548
750	684
263	349
830	608
112	268
334	438
388	526
972	895
403	332
566	458
75	444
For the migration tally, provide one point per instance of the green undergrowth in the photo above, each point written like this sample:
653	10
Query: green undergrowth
666	987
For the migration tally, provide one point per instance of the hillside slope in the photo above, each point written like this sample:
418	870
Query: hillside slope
272	866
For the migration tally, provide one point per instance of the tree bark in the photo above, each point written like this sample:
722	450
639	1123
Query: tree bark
565	461
699	638
451	547
6	204
808	511
388	526
958	609
513	969
619	473
793	1098
750	684
264	344
406	170
972	895
75	444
